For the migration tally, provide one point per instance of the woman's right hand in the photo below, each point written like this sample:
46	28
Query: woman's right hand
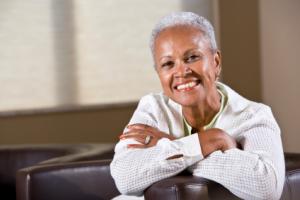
215	139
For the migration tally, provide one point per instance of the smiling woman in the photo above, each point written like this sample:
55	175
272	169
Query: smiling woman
198	123
186	65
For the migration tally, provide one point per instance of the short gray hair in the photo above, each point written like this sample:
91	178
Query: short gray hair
184	18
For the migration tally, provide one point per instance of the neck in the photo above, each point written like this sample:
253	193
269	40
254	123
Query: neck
201	114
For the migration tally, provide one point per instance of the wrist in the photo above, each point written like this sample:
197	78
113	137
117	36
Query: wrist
171	137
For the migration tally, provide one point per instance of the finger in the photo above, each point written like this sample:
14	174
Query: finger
137	146
137	135
142	126
138	138
136	132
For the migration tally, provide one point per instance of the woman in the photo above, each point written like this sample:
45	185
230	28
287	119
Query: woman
198	123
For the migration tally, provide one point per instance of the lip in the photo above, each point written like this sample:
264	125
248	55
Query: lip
186	85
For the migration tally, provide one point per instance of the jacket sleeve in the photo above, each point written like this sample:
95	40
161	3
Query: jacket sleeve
255	172
136	169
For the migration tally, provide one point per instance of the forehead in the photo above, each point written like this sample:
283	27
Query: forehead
180	37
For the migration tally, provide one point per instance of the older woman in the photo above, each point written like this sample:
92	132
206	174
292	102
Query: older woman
198	123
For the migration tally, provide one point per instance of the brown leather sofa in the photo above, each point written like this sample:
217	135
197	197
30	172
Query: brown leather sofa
91	180
15	157
187	187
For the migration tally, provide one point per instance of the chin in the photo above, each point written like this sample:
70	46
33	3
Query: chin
186	102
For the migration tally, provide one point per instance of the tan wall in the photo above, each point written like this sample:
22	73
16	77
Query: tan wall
77	52
239	33
87	125
260	46
280	44
71	68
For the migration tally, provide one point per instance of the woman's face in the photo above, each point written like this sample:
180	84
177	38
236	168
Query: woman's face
186	65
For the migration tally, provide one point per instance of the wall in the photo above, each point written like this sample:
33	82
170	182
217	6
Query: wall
280	45
239	33
72	52
90	124
76	53
260	46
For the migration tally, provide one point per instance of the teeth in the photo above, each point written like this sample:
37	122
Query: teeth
187	85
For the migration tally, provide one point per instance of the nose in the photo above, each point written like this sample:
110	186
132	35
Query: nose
182	70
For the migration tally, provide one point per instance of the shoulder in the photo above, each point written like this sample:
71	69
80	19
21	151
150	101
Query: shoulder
238	104
240	110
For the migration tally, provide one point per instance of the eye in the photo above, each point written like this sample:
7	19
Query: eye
167	64
192	58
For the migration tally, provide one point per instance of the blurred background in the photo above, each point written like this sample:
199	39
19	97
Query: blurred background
72	71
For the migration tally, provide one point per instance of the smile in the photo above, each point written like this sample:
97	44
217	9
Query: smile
187	86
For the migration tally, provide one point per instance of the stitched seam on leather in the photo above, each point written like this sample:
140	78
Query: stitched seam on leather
293	171
176	191
28	183
289	188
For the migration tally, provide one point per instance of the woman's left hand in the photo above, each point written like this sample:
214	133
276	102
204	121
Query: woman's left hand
148	136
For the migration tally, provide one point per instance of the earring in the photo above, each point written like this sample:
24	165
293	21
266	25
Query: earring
217	76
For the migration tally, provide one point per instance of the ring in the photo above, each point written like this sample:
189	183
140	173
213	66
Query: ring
147	139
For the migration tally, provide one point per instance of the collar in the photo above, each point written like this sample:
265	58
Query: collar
224	100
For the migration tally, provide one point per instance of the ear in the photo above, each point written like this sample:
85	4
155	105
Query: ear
217	63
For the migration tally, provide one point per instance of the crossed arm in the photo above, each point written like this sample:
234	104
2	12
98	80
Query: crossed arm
210	140
137	165
255	170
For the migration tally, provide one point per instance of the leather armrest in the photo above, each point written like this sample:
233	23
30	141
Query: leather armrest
15	157
186	186
89	180
292	177
92	152
292	161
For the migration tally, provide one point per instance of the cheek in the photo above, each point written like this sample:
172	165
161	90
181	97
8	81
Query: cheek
206	65
165	81
209	71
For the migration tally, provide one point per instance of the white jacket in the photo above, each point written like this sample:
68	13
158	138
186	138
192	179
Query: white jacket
255	172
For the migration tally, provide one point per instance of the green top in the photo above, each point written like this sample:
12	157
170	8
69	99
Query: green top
224	98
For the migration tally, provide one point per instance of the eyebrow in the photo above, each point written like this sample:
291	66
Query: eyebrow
196	50
164	57
185	53
191	50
